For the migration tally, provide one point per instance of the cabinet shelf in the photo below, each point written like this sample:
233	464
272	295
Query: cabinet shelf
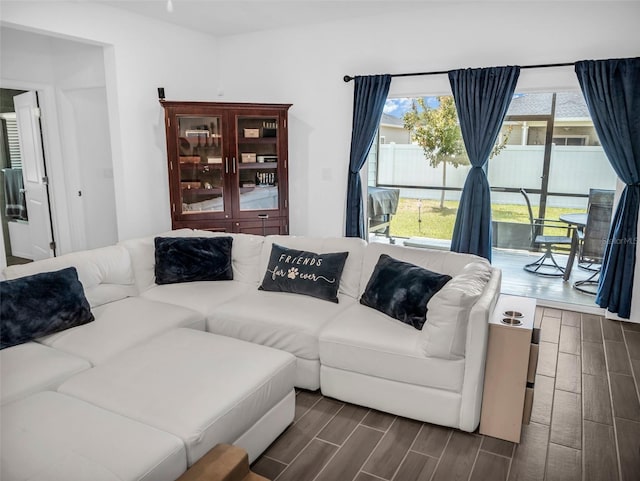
202	191
199	166
257	140
258	166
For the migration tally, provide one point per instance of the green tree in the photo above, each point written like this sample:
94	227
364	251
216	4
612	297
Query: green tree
437	131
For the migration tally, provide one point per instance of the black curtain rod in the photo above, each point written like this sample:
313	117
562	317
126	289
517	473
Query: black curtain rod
348	78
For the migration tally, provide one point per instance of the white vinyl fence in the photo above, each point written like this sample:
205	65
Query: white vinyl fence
574	170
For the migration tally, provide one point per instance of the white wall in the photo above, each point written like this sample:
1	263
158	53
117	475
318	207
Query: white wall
140	54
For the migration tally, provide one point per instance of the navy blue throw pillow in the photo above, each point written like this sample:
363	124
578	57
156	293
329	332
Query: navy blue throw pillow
41	304
402	290
189	259
302	272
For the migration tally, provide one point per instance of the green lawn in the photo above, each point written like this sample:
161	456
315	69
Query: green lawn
438	223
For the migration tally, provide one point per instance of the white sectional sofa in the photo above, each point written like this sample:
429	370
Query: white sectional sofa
230	355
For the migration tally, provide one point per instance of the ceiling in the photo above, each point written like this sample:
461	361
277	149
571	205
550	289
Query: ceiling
224	17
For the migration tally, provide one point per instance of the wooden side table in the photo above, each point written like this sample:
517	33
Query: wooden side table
510	369
223	463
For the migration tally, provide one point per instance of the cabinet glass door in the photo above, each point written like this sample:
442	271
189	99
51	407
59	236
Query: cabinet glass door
200	159
257	150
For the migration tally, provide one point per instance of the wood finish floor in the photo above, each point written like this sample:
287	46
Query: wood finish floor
585	423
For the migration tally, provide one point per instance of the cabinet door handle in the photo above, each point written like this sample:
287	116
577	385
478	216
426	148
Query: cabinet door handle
226	165
233	160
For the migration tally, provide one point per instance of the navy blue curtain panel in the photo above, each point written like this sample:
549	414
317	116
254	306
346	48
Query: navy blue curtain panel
482	98
370	94
611	89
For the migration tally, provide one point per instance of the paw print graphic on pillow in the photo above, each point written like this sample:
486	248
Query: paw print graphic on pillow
292	273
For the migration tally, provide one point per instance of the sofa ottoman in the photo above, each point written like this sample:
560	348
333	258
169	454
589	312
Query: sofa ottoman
50	436
31	367
203	388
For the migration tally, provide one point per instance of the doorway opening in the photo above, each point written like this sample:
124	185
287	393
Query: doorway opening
24	201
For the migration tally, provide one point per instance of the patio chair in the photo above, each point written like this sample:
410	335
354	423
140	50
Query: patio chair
596	236
546	265
600	197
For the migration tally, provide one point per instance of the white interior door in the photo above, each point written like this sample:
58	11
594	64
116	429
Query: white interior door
34	173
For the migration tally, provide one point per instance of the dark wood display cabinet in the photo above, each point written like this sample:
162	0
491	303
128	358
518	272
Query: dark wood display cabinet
228	166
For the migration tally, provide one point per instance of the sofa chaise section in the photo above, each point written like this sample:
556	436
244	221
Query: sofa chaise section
50	436
31	367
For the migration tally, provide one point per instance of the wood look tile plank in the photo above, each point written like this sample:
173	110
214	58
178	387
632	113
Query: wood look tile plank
571	318
497	446
489	466
309	462
267	467
378	420
365	477
542	400
550	331
593	359
569	340
569	373
529	458
625	398
537	320
457	459
431	440
611	330
343	424
304	401
566	421
547	359
617	359
631	326
629	446
563	464
349	459
635	367
298	435
599	453
392	449
596	400
551	312
633	344
591	328
415	467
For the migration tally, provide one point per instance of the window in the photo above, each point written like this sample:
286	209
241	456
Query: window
547	146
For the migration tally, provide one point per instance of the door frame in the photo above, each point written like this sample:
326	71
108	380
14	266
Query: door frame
51	144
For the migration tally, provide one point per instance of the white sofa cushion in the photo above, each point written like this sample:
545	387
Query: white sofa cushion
442	262
363	340
201	296
350	280
53	437
106	273
444	334
143	260
286	321
245	255
32	367
203	388
120	325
